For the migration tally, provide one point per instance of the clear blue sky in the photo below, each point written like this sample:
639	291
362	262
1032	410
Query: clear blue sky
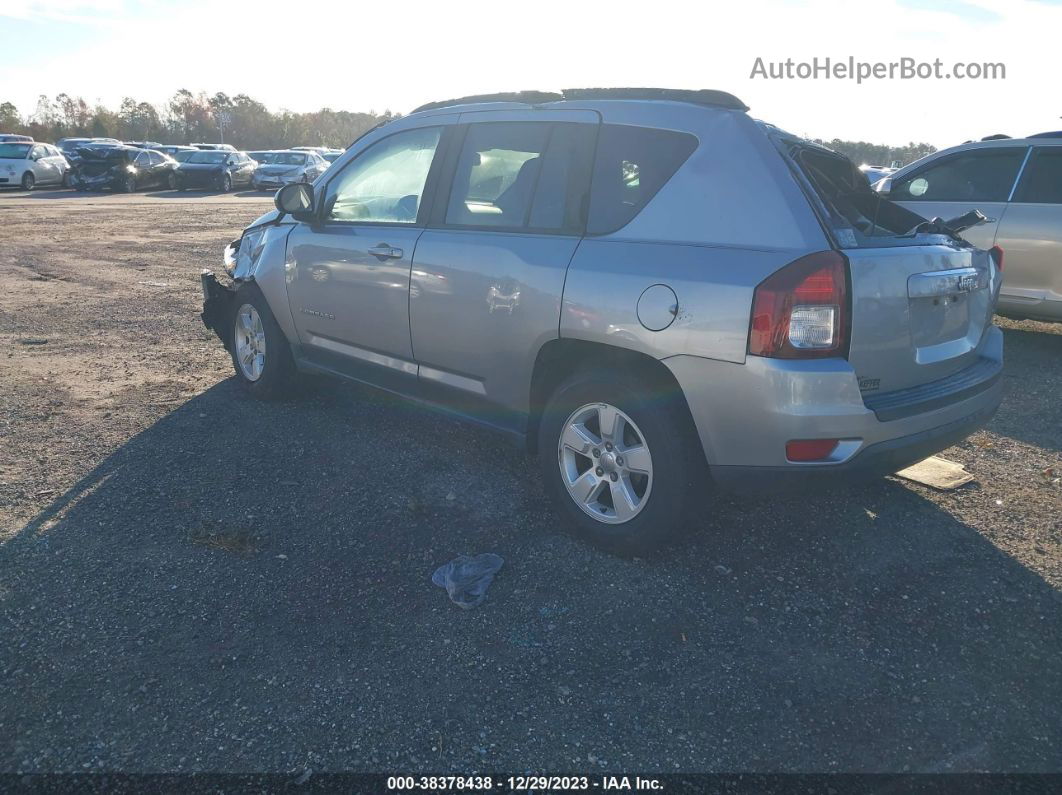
372	56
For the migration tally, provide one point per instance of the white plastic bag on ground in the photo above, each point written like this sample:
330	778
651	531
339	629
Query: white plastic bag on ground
466	579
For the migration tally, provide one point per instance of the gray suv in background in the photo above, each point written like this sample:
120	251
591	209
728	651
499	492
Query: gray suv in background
1017	183
646	286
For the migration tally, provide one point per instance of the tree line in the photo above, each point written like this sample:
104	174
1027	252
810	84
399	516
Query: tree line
248	124
240	120
860	152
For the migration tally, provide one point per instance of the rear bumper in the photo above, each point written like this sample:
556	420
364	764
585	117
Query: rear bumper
745	414
874	461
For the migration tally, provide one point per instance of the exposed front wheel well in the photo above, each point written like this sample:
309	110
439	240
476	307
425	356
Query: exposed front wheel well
559	358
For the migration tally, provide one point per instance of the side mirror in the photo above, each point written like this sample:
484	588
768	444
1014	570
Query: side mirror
296	200
884	187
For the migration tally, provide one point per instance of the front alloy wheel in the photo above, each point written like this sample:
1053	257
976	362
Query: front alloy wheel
250	342
260	352
28	181
605	463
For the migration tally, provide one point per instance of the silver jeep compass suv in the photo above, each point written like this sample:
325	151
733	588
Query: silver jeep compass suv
647	287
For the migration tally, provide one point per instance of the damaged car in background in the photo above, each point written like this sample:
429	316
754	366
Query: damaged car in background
560	268
123	168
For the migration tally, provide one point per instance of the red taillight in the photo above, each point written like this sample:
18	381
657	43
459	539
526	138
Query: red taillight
810	449
997	255
801	312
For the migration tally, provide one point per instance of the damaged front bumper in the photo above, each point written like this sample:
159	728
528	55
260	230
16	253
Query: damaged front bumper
217	305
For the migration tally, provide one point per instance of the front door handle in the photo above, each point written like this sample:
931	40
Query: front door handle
384	251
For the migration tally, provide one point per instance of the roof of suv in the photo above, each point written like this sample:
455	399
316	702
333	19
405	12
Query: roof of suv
704	96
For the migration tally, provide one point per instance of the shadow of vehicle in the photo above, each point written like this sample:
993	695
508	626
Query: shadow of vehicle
44	193
1033	372
246	586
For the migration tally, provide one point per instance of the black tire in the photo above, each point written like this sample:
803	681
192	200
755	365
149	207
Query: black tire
129	184
226	183
678	469
278	374
28	181
171	181
66	179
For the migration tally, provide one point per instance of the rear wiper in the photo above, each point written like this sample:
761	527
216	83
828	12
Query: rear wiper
952	227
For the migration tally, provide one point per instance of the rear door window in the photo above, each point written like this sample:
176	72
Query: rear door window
980	175
522	175
1042	181
631	165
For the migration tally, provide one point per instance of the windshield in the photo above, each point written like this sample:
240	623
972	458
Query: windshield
290	159
183	155
206	156
72	144
14	151
264	157
857	214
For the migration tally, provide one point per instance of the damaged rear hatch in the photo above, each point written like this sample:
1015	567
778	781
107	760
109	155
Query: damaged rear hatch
922	297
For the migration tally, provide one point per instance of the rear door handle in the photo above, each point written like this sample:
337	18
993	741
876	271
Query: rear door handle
384	251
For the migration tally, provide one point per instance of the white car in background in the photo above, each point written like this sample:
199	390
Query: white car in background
31	164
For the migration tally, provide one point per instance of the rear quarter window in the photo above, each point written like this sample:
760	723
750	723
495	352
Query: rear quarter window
631	165
1042	181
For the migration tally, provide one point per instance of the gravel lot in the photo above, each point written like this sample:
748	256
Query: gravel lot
191	581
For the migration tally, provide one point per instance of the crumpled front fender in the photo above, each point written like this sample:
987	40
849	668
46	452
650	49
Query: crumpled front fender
217	306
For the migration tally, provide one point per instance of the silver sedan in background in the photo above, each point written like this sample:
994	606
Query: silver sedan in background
281	167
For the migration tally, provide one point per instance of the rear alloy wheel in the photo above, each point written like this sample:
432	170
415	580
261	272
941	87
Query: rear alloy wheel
619	459
28	181
260	352
605	463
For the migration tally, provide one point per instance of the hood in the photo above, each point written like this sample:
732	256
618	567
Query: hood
265	218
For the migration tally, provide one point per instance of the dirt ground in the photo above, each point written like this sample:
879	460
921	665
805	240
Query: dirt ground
191	581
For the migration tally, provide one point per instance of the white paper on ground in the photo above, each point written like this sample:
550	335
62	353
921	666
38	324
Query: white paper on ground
938	473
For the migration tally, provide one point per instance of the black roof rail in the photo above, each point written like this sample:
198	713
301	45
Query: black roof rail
527	97
701	96
1052	134
704	96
